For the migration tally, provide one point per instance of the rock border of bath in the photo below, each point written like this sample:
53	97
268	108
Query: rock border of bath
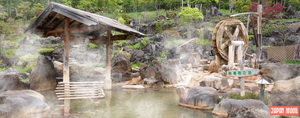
194	107
143	86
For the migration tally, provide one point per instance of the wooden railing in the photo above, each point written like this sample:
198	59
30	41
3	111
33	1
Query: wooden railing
79	90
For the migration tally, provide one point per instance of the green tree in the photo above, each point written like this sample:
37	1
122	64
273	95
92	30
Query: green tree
248	3
23	10
84	4
3	14
188	16
37	7
4	29
294	3
245	8
238	5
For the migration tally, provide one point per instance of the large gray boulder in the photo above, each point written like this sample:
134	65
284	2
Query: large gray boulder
286	93
57	54
174	52
192	58
120	64
80	72
12	82
248	112
201	97
215	82
227	104
43	75
279	71
292	40
15	104
167	75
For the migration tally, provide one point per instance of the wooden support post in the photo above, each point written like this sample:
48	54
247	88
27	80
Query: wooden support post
61	107
66	66
259	31
96	102
107	84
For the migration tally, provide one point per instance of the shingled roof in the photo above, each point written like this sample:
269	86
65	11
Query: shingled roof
82	24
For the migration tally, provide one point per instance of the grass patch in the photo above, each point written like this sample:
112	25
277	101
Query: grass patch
253	47
176	42
202	42
292	62
25	80
285	20
134	65
248	96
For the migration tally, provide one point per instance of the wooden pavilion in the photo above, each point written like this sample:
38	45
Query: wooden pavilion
76	25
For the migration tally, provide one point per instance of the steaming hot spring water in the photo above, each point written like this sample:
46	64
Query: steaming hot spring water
128	103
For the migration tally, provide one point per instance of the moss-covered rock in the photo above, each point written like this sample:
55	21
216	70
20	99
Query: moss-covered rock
45	51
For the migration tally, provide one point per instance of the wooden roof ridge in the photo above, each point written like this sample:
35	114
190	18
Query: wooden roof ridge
80	16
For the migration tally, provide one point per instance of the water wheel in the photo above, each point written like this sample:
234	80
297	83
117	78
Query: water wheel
225	32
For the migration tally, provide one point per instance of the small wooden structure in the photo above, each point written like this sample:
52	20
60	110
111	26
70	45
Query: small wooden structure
76	25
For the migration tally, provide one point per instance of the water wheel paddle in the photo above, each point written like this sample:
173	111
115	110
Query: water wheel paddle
226	31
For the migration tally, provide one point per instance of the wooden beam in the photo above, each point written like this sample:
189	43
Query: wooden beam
123	37
66	52
51	20
245	13
72	23
59	24
107	84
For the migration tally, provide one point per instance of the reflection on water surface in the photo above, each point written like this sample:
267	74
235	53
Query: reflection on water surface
135	103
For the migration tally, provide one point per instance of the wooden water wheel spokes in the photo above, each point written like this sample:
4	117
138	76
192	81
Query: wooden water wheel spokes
225	32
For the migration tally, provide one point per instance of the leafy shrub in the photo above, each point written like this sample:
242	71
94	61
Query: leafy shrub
152	42
134	65
238	5
245	8
91	45
168	23
126	18
27	60
267	28
30	66
126	54
32	19
135	46
44	51
121	20
158	27
144	41
171	14
163	54
14	44
9	53
121	42
250	37
189	15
